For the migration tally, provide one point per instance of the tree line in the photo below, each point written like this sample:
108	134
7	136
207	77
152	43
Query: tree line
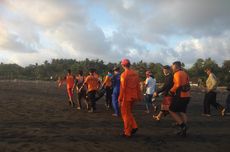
58	67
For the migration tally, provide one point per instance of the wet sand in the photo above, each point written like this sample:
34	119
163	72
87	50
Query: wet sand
34	117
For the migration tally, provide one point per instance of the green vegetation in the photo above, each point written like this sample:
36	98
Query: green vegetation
57	68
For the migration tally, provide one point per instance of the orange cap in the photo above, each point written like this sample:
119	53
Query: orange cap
125	62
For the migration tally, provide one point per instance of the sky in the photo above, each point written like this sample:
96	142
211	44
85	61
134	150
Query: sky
162	31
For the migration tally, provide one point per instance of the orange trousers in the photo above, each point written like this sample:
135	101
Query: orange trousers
127	116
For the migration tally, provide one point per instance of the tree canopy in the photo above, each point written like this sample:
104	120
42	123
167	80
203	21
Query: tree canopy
58	67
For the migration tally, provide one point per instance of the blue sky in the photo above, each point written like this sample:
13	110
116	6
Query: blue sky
149	30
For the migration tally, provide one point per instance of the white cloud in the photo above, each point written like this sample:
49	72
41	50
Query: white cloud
39	30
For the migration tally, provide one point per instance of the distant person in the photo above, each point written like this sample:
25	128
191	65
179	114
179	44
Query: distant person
129	93
92	84
210	95
116	90
69	79
228	102
181	97
107	84
164	90
81	93
150	85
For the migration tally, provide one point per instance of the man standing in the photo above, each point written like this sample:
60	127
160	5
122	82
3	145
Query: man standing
210	95
108	89
116	90
181	97
129	93
92	84
150	85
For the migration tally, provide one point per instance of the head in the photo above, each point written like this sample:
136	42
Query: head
80	72
69	71
208	70
125	64
116	70
166	69
176	66
91	71
148	73
110	72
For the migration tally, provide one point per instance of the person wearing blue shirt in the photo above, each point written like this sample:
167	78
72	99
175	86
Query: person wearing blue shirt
116	90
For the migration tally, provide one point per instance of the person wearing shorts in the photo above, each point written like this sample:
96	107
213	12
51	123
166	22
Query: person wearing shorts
164	90
181	97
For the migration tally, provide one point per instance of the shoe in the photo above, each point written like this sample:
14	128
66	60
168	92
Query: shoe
206	115
223	112
183	131
78	108
115	115
156	118
91	111
134	131
125	136
147	111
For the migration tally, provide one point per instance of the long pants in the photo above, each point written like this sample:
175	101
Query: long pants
210	99
92	99
127	116
115	102
108	99
81	95
148	101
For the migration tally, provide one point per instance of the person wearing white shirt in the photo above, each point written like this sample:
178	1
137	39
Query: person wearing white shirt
150	85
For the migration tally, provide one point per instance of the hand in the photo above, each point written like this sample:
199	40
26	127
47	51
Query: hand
119	104
155	94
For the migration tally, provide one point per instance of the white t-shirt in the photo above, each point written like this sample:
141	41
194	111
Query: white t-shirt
150	85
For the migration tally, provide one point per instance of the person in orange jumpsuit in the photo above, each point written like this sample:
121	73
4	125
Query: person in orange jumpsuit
129	93
70	80
181	97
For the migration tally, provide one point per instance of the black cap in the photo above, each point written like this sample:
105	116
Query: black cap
177	63
167	67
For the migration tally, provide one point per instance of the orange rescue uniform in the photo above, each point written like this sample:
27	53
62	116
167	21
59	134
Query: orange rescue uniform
108	81
92	83
180	78
69	85
129	93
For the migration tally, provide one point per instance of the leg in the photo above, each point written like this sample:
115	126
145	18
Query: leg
176	117
184	117
115	103
128	119
207	104
79	106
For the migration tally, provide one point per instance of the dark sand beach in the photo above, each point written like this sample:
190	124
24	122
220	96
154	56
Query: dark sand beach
35	118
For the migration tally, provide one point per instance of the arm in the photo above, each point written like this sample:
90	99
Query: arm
139	90
105	81
165	86
122	88
176	84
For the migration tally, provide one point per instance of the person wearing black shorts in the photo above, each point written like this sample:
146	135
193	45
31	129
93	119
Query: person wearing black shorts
181	97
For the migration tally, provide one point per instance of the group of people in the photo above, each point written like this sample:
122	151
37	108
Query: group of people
124	89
